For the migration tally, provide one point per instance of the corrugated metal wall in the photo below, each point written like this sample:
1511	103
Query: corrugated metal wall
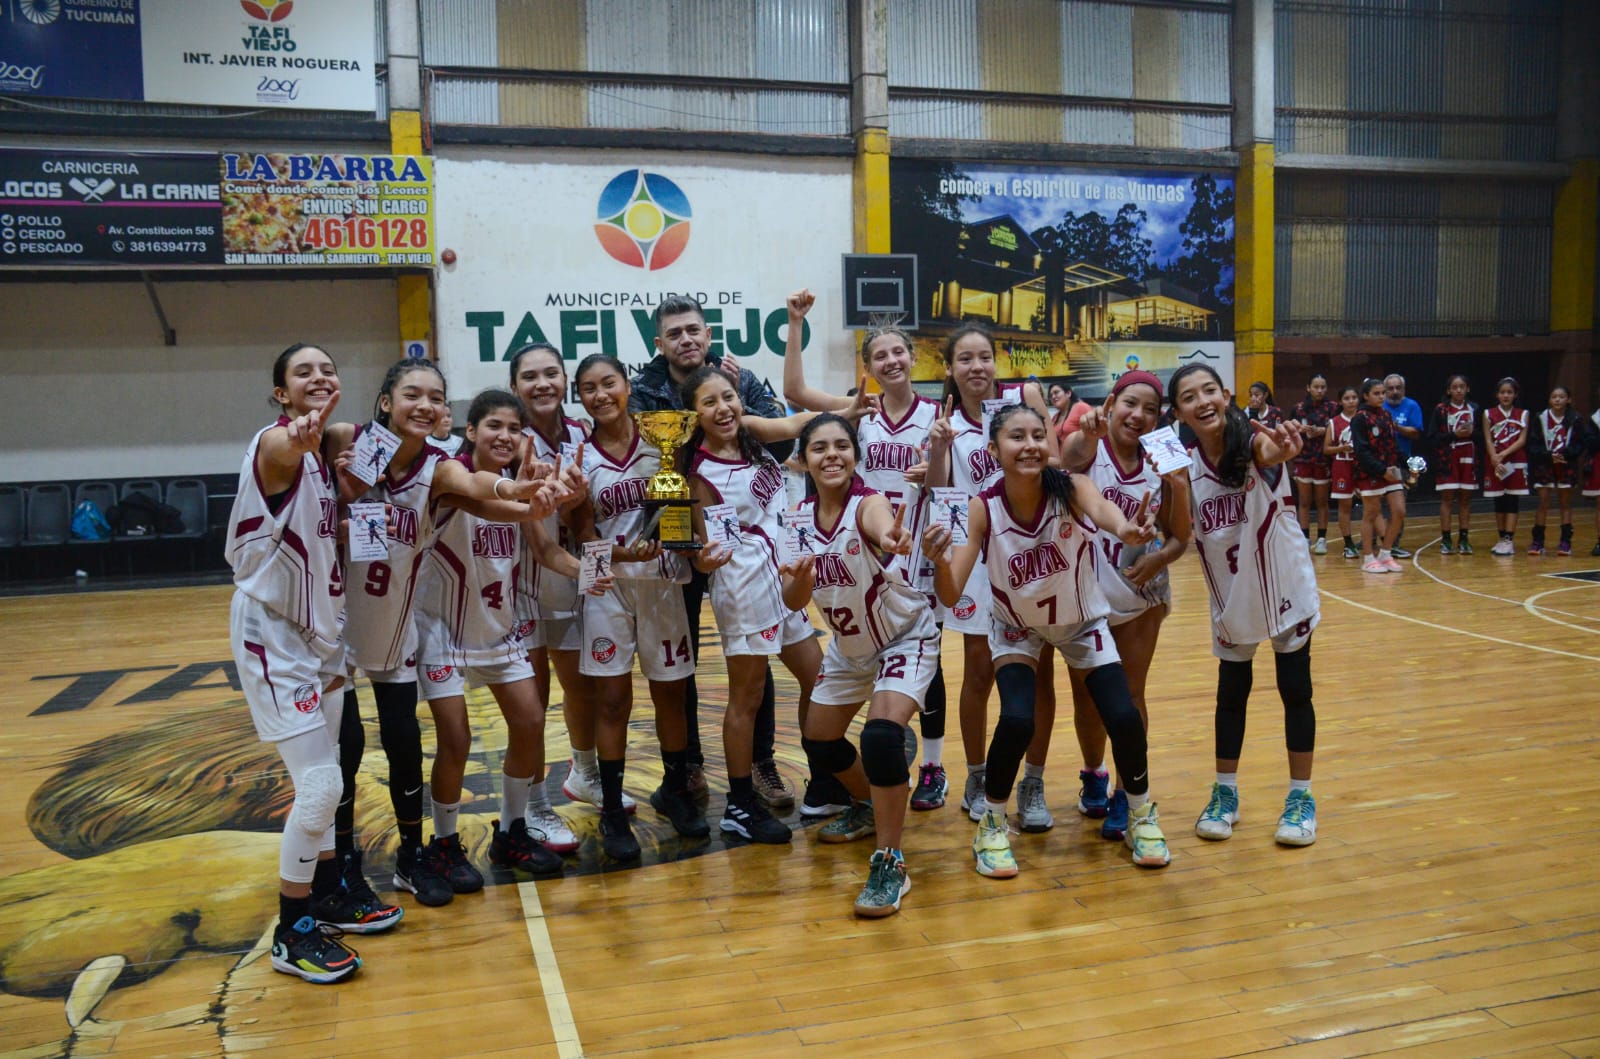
802	41
1472	79
1164	60
1377	256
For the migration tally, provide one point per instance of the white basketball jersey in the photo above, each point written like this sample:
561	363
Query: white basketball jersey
380	633
1126	491
466	591
868	602
617	493
888	448
747	594
972	468
1254	557
1041	572
543	593
285	555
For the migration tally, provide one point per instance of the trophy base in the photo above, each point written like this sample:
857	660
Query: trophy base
672	522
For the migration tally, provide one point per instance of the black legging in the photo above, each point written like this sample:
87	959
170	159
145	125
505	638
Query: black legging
766	717
401	737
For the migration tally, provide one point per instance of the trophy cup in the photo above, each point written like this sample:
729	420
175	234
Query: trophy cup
667	492
1415	465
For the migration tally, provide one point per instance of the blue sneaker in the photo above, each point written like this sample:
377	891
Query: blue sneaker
1220	814
1092	794
1116	822
1298	824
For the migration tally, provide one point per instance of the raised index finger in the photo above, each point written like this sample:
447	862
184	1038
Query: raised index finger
949	407
1144	507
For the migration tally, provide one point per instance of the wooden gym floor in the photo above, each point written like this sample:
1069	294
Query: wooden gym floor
1450	906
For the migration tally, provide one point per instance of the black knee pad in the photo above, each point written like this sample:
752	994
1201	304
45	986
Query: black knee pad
1018	687
883	753
1234	680
1294	688
1505	505
828	756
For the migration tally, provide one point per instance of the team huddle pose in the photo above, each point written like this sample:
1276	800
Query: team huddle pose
1068	541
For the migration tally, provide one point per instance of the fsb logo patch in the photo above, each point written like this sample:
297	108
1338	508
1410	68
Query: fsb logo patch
643	219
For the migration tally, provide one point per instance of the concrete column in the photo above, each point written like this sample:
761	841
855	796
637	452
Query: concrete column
1254	235
1573	248
869	122
414	294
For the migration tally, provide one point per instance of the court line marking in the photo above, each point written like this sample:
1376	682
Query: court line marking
1463	632
1531	603
1416	561
568	1046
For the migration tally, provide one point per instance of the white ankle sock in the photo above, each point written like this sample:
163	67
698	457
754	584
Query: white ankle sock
1031	771
444	818
1137	802
1228	779
586	761
538	797
1299	785
933	751
513	799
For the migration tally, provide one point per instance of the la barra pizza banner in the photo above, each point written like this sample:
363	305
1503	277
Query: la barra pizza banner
295	54
598	239
1081	274
92	208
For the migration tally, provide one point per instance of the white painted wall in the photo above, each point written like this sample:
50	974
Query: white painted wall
91	390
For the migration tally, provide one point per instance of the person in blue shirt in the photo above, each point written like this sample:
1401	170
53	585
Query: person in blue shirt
1408	427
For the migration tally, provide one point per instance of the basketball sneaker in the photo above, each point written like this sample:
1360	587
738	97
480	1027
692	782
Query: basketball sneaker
932	787
1298	824
581	786
353	907
1503	547
1351	552
1092	800
617	838
1536	548
1374	565
418	871
972	799
855	822
1391	566
683	812
1399	552
750	819
520	850
991	847
1144	837
458	870
825	796
549	829
1220	814
1464	547
312	952
1033	815
699	788
887	882
1321	547
770	785
1564	549
1115	824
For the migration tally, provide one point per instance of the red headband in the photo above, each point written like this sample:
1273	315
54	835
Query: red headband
1133	378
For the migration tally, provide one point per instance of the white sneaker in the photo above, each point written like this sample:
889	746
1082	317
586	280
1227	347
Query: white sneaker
551	831
1033	815
583	786
1503	547
1298	824
1321	547
1374	565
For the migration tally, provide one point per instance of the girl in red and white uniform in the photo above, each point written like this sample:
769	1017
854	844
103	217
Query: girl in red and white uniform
1591	478
959	440
895	462
380	628
726	464
1505	436
1555	448
884	650
550	600
1312	472
1452	432
641	617
1379	478
467	627
1134	580
1262	586
1035	530
1339	446
286	626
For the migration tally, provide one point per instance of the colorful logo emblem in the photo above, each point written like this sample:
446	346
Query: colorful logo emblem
854	547
267	10
1014	635
440	674
306	698
770	634
643	220
602	650
1132	362
965	608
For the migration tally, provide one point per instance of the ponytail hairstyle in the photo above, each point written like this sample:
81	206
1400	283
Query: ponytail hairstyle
1238	439
492	400
391	379
879	328
749	447
1266	391
971	327
1057	484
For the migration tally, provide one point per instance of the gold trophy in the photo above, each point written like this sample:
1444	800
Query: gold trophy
667	493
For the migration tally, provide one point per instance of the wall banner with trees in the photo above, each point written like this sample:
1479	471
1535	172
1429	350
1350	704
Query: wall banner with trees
1082	275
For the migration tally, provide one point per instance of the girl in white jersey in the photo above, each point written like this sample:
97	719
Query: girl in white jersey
1035	531
1262	587
885	649
726	464
642	616
550	600
959	440
381	630
467	627
894	462
286	629
1106	447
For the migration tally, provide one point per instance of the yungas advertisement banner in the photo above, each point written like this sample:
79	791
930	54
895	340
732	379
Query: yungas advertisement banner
579	250
1082	275
298	54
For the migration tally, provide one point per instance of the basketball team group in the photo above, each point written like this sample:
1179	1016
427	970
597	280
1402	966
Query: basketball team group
1055	543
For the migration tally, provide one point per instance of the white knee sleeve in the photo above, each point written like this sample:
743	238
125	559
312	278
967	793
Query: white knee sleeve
313	763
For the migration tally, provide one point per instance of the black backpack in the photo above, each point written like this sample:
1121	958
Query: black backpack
141	516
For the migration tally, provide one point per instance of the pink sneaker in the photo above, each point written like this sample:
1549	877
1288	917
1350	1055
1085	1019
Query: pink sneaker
1374	565
1392	565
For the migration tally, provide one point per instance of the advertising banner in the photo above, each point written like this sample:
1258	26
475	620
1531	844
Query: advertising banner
1081	275
596	241
298	54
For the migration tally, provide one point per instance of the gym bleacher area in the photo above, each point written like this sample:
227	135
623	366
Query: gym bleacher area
39	554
